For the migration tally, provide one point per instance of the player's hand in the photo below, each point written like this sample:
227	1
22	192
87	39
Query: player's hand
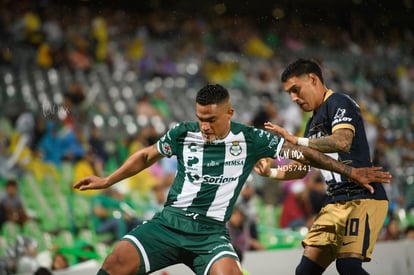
366	175
262	167
91	182
280	131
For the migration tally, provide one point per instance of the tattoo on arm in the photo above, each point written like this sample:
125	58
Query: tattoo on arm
309	156
340	141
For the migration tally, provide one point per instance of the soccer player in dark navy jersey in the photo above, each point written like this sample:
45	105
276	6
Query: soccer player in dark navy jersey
347	228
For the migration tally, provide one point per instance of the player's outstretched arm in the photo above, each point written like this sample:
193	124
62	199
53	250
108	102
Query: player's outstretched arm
361	176
133	165
339	141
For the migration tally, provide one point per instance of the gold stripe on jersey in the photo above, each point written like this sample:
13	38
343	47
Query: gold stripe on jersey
343	126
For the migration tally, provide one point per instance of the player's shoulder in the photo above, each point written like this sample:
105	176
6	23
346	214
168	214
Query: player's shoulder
338	96
185	126
237	127
249	130
341	99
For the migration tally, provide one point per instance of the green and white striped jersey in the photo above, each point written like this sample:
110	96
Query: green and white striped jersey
210	175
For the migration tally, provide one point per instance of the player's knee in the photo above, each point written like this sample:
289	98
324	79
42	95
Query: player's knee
308	267
350	266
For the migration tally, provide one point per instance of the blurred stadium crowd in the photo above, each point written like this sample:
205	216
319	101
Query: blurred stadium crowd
83	87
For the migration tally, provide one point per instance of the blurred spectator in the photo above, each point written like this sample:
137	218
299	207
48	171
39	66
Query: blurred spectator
263	83
239	229
19	145
5	167
392	231
110	214
72	143
266	112
303	200
409	232
295	206
89	164
75	106
248	201
38	132
157	198
99	33
50	144
59	261
78	57
143	182
316	191
12	204
144	107
159	102
97	144
44	58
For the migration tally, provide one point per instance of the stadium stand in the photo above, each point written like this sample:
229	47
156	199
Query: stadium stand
142	58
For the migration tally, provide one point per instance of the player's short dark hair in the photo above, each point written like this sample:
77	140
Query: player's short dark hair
300	67
212	94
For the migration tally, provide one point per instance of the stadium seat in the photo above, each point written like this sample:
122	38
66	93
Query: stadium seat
3	246
33	229
277	238
65	239
10	231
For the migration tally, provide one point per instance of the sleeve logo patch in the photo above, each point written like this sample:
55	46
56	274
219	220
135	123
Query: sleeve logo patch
340	117
166	149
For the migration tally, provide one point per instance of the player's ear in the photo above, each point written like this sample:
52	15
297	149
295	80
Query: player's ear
230	112
314	78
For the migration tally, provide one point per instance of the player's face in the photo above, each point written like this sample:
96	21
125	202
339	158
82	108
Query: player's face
303	90
214	120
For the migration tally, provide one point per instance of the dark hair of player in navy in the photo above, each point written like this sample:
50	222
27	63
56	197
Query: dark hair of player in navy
212	94
300	67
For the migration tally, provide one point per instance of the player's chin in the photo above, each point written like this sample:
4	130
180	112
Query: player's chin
209	138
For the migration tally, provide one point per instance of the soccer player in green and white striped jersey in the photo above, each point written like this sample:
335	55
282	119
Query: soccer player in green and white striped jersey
215	156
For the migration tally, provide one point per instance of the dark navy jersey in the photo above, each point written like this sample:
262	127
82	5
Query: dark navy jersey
336	112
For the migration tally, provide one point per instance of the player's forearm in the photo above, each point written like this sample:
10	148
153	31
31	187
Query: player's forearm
339	141
329	144
137	162
306	155
324	144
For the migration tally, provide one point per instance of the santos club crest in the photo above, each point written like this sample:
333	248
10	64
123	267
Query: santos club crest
235	148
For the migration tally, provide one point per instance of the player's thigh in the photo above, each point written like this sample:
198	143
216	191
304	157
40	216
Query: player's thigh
329	226
124	259
363	228
226	265
326	233
157	245
213	252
